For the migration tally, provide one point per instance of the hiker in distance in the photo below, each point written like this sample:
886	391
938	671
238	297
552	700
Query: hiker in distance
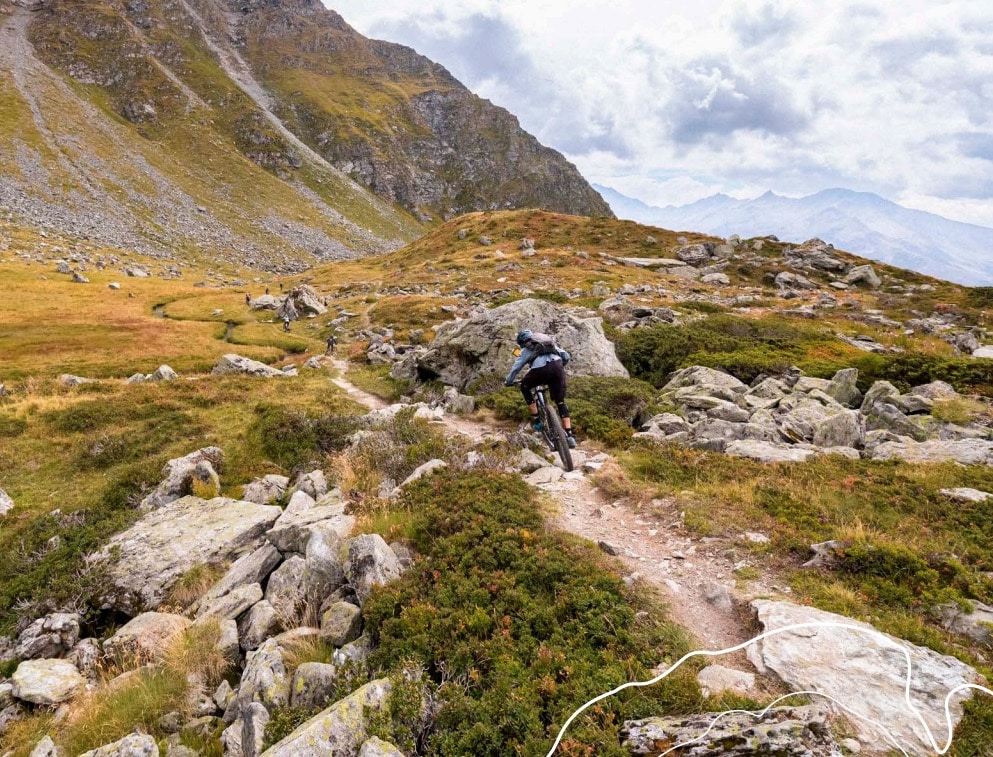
547	366
332	342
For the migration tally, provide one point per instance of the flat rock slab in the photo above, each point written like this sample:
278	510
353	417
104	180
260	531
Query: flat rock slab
46	682
782	731
166	543
965	495
340	729
864	669
654	262
135	745
767	452
965	451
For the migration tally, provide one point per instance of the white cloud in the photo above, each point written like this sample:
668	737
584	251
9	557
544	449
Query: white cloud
677	98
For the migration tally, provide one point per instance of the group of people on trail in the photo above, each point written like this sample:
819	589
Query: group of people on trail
546	361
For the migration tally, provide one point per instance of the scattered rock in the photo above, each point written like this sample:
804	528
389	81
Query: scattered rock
258	624
369	562
46	682
376	747
67	379
134	745
164	373
265	490
51	636
313	684
781	731
715	679
341	623
965	495
180	473
863	274
145	637
231	605
237	364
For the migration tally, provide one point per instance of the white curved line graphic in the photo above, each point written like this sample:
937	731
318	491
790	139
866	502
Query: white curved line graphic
815	624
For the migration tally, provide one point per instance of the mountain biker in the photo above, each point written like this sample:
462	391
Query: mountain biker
547	369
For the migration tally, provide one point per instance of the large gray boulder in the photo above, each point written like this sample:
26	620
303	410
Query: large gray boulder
265	678
313	684
369	562
843	387
293	531
703	381
51	636
257	625
863	274
482	347
232	363
265	490
376	747
287	590
46	682
842	429
781	731
179	474
862	668
133	745
338	731
767	452
166	543
306	300
145	637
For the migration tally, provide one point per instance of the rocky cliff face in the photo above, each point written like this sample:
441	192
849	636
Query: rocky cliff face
358	141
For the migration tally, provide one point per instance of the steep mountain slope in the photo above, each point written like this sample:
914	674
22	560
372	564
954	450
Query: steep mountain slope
239	129
861	222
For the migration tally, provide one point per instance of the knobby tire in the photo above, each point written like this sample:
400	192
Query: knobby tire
558	438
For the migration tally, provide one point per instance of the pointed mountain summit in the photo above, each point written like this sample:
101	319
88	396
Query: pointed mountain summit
859	222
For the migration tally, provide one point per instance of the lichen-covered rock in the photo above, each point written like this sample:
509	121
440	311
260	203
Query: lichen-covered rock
237	364
376	747
287	590
369	562
166	543
341	623
339	730
265	678
251	568
46	682
180	473
314	683
292	532
257	625
482	346
314	484
51	636
229	606
145	637
254	719
781	731
265	490
324	571
768	452
965	451
135	745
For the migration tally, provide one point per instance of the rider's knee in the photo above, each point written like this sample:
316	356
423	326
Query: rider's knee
563	409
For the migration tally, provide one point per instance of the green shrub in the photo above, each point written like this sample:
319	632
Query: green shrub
11	426
913	369
516	626
291	438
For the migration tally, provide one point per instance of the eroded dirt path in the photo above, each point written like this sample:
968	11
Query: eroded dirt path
693	574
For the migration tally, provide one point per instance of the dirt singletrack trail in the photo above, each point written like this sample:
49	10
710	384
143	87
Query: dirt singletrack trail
693	574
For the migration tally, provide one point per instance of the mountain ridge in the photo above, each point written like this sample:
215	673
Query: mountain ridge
860	222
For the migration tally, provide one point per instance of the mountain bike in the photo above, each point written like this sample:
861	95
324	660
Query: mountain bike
551	426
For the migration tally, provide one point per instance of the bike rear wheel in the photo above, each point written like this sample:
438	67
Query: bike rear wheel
557	436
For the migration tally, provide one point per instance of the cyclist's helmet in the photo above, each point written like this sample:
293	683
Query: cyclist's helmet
523	336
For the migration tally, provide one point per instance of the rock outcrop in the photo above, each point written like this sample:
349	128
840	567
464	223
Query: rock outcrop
481	347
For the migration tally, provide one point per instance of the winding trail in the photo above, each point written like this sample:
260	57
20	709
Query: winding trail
693	574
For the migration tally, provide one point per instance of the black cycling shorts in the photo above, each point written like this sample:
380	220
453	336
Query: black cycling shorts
552	375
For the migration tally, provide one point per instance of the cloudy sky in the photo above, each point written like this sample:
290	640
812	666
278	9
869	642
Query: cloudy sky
670	102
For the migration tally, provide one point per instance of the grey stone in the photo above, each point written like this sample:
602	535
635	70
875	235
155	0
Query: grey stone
11	714
324	570
780	731
721	279
314	484
880	391
258	624
827	554
767	452
67	379
87	656
341	623
265	490
482	346
179	474
287	591
355	652
237	364
46	682
965	495
966	451
694	254
251	568
424	470
705	381
232	604
254	718
293	530
227	640
46	748
313	684
977	624
884	416
300	502
936	390
51	636
842	429
547	475
164	373
369	562
529	462
852	662
863	274
265	678
843	387
134	745
338	730
145	637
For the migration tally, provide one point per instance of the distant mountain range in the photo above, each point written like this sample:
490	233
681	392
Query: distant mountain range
858	222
